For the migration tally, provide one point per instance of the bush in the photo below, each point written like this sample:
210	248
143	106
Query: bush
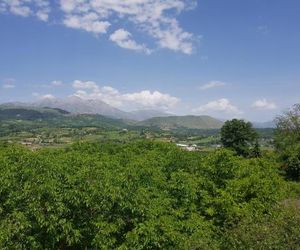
139	195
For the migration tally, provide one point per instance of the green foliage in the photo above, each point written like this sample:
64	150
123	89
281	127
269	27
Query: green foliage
288	128
239	136
291	161
287	141
138	195
279	230
256	151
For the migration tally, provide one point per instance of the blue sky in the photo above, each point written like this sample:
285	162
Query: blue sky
226	58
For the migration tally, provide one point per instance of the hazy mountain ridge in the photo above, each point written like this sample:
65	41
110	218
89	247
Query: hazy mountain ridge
269	124
141	115
33	117
59	117
8	112
190	122
77	106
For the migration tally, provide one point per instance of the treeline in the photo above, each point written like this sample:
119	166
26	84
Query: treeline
143	195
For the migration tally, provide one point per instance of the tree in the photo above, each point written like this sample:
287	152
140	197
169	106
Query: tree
288	128
287	141
256	152
239	136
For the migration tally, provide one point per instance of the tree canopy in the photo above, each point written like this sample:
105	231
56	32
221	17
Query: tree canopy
138	195
239	136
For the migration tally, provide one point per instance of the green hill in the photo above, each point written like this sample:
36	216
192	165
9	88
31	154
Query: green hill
27	113
19	118
22	118
188	122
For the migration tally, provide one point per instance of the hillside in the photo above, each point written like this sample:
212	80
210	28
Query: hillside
142	115
77	105
189	122
26	118
29	113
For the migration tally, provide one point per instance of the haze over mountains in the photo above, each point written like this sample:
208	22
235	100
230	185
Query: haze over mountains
188	122
77	105
74	105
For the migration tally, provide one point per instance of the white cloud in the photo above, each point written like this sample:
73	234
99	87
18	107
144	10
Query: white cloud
123	39
152	99
42	15
9	83
77	84
143	99
222	105
173	37
47	96
2	7
89	22
8	86
155	17
264	104
25	8
56	83
212	84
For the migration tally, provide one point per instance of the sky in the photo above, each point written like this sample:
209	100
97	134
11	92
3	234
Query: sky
225	58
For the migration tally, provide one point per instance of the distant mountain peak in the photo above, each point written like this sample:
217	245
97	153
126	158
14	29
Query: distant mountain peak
146	117
75	104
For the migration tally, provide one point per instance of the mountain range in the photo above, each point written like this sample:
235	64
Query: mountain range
74	106
77	105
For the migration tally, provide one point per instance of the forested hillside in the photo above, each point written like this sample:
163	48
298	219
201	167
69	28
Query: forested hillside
187	122
143	195
16	119
23	113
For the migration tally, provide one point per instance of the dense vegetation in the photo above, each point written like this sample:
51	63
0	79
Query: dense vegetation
288	141
143	195
40	127
119	191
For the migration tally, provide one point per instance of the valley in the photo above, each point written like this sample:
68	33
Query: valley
38	127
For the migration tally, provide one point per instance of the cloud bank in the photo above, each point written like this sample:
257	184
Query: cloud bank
220	106
26	8
155	18
112	96
264	104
